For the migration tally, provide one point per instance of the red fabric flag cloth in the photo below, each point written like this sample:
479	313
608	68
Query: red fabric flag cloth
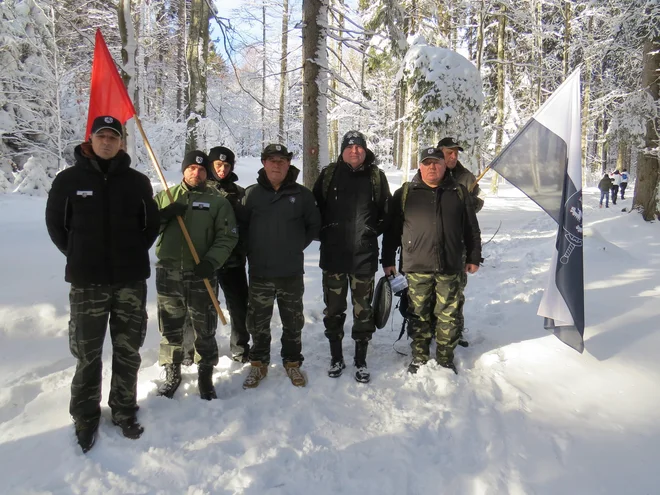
108	95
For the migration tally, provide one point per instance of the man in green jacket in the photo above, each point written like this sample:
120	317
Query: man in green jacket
210	221
280	219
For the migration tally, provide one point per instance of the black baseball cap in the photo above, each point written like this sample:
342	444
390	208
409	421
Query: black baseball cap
449	142
431	153
276	150
107	122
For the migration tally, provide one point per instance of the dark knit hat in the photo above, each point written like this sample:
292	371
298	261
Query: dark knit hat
107	122
351	138
195	157
449	142
431	153
276	150
223	154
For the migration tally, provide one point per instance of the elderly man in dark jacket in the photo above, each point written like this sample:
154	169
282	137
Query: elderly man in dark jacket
281	219
352	194
101	215
434	222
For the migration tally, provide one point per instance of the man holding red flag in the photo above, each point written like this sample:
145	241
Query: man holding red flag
102	216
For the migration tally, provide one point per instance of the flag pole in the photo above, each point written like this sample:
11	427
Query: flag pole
471	188
193	251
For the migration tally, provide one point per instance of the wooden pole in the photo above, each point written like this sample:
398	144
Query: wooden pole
193	251
471	188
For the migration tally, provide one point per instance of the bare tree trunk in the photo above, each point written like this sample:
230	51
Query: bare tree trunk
196	58
263	77
539	54
315	150
586	95
401	126
283	69
480	35
647	182
334	123
129	48
622	153
567	37
501	82
181	75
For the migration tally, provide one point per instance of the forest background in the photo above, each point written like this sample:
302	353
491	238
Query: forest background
244	74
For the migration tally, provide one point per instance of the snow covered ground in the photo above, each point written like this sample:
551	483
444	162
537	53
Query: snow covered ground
525	415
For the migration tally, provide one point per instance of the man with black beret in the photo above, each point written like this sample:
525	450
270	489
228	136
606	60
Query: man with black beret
182	293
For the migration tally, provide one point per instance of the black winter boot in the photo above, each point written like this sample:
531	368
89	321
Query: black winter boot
130	428
362	373
337	365
172	380
86	434
205	382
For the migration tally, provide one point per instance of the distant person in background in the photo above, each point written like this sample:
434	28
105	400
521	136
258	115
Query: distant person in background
616	181
100	213
624	182
605	185
232	274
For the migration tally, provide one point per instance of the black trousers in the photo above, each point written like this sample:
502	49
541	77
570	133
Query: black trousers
234	285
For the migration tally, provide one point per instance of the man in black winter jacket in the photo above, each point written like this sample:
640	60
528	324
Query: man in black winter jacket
280	219
231	276
100	213
352	194
434	223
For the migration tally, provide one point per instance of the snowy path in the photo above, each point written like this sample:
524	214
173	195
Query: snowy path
525	415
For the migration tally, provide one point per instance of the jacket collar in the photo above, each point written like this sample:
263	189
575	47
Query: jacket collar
85	157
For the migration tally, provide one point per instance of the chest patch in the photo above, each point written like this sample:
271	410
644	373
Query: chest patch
199	205
292	199
85	194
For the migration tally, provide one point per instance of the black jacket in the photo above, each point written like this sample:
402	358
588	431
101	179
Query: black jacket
104	223
279	226
352	218
234	194
434	228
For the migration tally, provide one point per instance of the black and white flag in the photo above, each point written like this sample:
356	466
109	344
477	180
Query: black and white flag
544	161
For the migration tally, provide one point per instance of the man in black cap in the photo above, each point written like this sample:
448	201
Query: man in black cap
436	218
232	274
182	295
352	194
462	175
102	216
280	219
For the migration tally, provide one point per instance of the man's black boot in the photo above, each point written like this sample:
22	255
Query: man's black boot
172	380
205	382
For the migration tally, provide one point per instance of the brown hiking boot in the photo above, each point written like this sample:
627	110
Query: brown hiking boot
295	375
258	372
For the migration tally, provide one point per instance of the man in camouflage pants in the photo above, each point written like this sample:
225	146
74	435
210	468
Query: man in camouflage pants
183	298
434	222
280	219
101	215
462	175
352	195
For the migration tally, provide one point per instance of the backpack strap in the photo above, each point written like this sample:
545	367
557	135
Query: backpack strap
328	174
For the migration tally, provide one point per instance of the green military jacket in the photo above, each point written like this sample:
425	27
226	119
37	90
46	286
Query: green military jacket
210	222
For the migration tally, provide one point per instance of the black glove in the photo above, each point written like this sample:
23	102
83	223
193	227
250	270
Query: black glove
204	269
172	210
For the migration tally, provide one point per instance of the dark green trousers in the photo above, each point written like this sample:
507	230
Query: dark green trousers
91	308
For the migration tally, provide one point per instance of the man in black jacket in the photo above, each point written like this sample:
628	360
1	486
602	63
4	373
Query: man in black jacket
280	219
462	175
434	223
101	215
352	194
231	276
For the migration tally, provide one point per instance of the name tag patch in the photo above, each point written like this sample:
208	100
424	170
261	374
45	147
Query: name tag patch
85	194
199	205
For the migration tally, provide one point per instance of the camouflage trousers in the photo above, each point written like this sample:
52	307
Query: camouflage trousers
233	283
433	301
91	307
184	300
335	290
289	294
460	320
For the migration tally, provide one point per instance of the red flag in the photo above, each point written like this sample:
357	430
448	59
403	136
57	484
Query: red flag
108	95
